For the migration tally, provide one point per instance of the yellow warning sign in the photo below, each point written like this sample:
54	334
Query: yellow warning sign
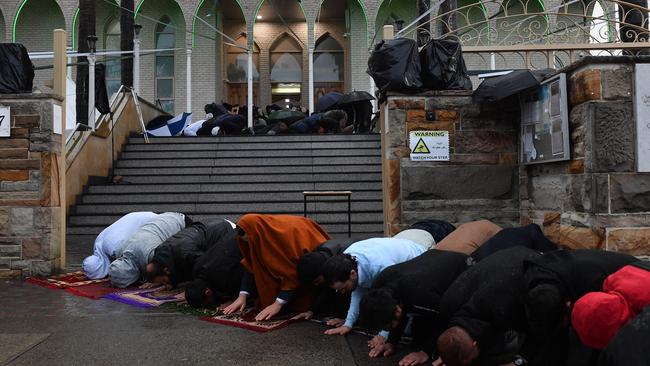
421	148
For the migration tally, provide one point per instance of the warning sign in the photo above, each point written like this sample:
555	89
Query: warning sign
429	145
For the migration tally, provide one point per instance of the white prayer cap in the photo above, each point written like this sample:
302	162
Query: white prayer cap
418	236
95	267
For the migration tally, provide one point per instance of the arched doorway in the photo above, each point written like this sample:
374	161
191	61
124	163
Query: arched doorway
237	73
162	77
329	67
286	61
280	30
33	26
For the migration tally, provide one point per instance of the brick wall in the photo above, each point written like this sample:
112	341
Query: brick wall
480	180
29	193
595	200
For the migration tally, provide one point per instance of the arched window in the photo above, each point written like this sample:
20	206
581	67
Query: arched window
165	39
113	63
237	72
329	71
286	69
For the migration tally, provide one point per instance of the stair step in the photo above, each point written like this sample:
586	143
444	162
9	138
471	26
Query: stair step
246	154
272	178
222	197
258	138
238	146
323	218
197	208
267	161
250	170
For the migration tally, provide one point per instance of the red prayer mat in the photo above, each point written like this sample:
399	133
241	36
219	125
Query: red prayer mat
93	291
72	279
148	298
246	320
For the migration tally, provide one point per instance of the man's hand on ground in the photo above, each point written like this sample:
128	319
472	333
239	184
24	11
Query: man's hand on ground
342	330
147	285
237	305
414	358
335	322
269	312
385	349
306	315
376	341
438	362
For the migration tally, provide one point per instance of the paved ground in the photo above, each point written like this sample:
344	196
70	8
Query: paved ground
42	326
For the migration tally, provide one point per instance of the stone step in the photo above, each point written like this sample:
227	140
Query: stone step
198	208
229	187
258	138
273	146
303	169
86	233
267	161
222	197
271	178
184	154
322	218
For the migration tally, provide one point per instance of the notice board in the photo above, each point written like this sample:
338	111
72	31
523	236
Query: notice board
545	122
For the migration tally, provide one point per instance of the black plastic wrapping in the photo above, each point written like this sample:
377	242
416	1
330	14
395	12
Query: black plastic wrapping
16	69
443	67
394	65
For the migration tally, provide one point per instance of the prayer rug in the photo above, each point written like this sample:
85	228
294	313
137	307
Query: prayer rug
185	308
148	298
93	291
72	279
246	320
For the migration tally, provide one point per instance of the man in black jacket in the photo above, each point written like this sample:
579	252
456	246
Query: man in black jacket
218	273
483	311
411	289
310	270
173	261
529	236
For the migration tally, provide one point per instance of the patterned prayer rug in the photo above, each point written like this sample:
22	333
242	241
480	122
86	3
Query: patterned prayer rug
148	298
246	320
72	279
93	291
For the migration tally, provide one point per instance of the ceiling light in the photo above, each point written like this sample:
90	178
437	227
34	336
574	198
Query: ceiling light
259	17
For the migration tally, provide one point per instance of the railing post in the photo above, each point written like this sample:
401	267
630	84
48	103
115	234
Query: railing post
188	86
249	80
92	59
60	82
310	64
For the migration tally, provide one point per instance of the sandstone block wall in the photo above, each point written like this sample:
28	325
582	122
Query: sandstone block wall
29	192
480	180
595	200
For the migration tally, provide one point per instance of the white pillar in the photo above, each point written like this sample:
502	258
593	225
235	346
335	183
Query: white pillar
188	88
91	89
136	66
310	65
493	61
249	79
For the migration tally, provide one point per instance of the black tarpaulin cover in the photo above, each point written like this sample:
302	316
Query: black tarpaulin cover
394	65
16	69
443	66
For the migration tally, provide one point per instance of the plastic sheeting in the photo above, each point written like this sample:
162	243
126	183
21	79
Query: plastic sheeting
16	69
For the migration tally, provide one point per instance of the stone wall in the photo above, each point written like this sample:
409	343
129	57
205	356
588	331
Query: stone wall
595	200
29	191
479	181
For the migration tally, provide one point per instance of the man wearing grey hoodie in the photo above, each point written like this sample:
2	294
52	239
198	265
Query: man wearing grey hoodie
138	249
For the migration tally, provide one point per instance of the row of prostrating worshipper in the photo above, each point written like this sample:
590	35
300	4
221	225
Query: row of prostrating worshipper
473	295
225	119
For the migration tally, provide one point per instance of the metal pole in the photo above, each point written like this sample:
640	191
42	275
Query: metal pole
249	79
188	88
91	89
349	216
304	199
311	79
136	65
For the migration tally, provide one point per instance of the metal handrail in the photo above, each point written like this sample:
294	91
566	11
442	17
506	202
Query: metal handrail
305	194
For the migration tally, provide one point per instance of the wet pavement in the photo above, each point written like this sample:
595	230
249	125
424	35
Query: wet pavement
41	326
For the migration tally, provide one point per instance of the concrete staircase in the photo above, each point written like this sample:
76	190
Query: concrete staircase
226	177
